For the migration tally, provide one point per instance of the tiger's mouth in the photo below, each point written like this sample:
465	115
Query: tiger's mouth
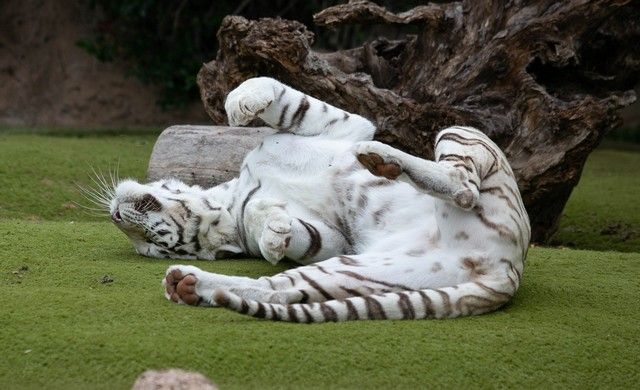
116	217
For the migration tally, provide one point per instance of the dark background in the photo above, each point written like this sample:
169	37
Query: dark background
101	63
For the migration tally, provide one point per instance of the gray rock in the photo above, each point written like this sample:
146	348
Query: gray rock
172	379
203	155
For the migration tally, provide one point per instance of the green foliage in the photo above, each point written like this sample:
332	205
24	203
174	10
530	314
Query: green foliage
164	42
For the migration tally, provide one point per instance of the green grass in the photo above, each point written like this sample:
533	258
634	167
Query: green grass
604	210
39	174
574	322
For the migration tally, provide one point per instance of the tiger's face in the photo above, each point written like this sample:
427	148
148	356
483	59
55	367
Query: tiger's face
169	219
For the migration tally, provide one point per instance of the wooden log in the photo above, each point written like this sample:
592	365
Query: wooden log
202	155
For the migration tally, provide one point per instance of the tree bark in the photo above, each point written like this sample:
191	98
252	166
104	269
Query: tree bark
542	78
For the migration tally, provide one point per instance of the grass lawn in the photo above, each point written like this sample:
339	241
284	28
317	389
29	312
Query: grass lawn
574	322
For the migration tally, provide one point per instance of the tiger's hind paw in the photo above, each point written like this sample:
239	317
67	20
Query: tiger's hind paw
377	158
183	285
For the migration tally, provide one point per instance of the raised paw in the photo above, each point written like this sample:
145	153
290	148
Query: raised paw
248	100
377	158
275	239
184	284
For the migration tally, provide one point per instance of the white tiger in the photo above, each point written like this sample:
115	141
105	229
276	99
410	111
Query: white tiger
381	234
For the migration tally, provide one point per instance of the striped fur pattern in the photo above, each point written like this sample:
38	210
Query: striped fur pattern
379	234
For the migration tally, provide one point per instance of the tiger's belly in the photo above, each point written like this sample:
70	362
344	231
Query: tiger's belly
299	170
321	179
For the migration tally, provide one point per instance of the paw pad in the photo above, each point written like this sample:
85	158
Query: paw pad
182	288
376	165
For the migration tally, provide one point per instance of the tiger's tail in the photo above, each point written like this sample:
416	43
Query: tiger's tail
465	299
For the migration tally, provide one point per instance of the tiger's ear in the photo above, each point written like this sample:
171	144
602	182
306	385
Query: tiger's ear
228	250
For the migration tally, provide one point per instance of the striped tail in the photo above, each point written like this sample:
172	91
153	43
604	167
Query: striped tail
464	299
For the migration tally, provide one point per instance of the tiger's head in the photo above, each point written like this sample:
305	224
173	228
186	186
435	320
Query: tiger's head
170	219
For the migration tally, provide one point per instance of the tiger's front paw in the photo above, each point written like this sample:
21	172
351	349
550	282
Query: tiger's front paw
249	100
378	158
275	238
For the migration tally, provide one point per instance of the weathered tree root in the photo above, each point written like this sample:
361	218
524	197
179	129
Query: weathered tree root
543	81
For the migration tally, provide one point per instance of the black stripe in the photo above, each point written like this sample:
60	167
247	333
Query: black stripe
293	316
351	292
316	286
180	232
364	278
328	313
261	310
184	206
374	308
306	313
503	230
428	304
209	206
346	260
244	307
405	305
331	122
196	236
291	279
473	142
352	313
493	291
499	192
305	296
316	240
458	157
285	108
276	315
446	302
300	113
241	231
155	225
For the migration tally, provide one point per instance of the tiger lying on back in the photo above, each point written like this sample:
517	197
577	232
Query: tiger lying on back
381	234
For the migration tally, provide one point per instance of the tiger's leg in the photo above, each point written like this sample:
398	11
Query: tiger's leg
365	274
287	109
274	234
187	284
456	176
347	276
305	241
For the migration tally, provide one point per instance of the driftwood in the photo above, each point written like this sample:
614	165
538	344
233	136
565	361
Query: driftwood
542	78
204	155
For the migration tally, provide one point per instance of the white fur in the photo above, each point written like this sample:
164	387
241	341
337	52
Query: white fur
432	228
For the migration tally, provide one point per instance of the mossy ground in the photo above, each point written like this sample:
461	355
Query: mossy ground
574	322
